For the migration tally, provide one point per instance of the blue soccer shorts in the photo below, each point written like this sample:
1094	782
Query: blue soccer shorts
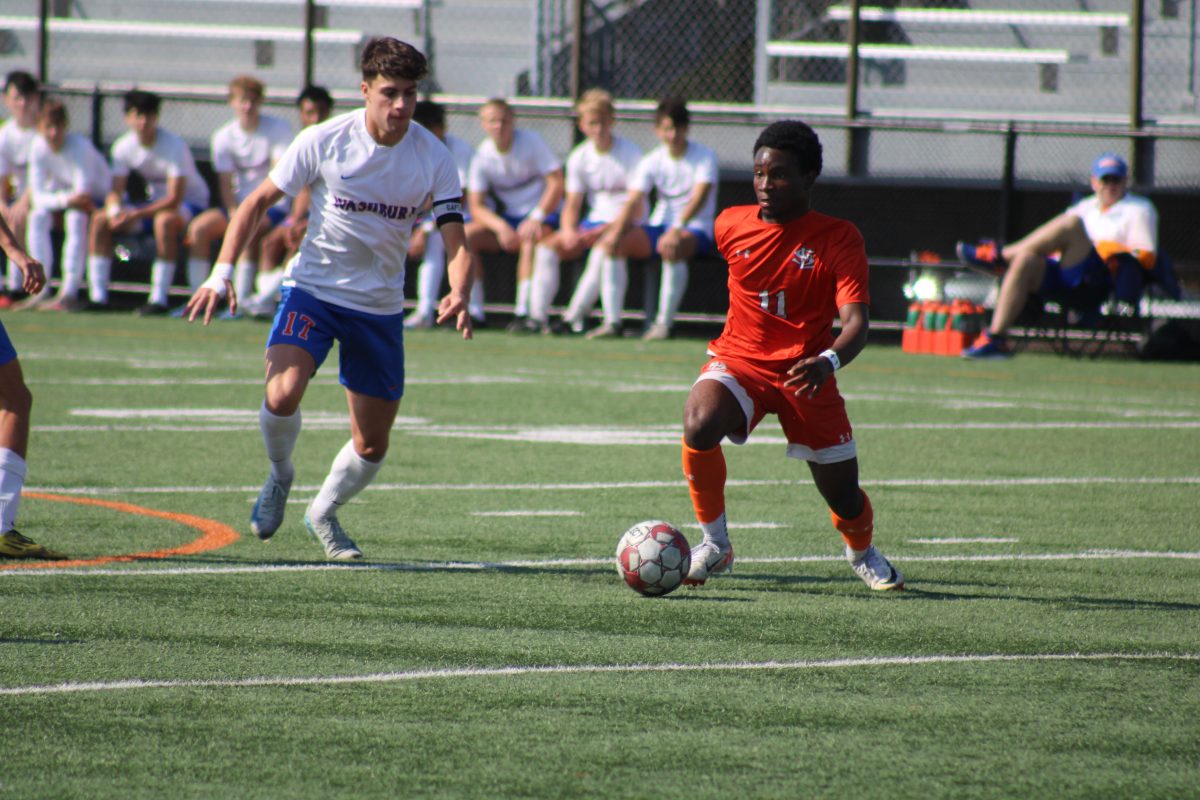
7	351
370	346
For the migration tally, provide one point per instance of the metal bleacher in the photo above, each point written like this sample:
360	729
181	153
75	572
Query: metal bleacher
1041	56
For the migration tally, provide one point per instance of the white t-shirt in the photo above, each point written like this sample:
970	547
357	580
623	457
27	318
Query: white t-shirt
55	177
517	177
249	154
15	142
1131	221
365	199
674	180
463	152
169	157
603	178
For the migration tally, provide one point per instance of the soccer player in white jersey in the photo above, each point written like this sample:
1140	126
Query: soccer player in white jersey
176	194
16	402
520	170
68	179
243	152
427	242
598	174
684	175
1091	240
22	97
370	173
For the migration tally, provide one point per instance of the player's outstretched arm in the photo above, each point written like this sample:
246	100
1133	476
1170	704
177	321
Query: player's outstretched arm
808	375
35	275
460	269
220	281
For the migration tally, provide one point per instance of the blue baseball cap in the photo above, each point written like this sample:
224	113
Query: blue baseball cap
1109	165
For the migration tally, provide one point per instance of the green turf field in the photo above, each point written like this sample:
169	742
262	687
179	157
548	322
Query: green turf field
1044	512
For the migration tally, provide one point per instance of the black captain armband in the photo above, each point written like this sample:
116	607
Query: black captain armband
448	210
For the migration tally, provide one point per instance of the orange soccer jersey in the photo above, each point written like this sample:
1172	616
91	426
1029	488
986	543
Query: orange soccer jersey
786	283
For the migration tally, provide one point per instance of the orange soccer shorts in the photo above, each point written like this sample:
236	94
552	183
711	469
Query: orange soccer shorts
817	428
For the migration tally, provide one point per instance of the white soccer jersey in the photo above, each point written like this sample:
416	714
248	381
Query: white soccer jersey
1131	221
365	199
604	178
517	177
249	155
463	152
15	142
169	157
674	179
55	177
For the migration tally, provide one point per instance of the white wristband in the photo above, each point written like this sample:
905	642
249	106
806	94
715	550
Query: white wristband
833	359
537	215
218	278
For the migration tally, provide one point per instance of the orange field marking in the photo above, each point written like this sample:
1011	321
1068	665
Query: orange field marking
213	534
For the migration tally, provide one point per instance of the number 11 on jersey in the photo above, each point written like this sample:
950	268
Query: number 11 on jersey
764	300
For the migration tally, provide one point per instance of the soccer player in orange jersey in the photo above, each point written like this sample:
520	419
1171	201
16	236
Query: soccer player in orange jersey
789	268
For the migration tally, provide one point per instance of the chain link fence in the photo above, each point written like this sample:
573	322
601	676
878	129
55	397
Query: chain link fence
984	93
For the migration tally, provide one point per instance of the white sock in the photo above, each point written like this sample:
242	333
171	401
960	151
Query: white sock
198	270
716	531
12	478
587	291
268	285
430	274
99	276
74	252
279	437
475	304
243	279
37	238
544	283
670	292
614	280
349	475
161	275
524	289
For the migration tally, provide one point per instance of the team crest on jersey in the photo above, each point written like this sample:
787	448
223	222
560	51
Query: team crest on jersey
804	258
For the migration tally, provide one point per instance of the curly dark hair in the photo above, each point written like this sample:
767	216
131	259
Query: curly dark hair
384	55
796	138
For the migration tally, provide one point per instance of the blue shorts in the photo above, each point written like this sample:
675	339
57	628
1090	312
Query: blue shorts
186	210
550	221
7	351
704	242
370	346
1084	284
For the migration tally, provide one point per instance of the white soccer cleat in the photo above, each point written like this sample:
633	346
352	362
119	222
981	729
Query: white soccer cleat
418	321
708	560
338	546
875	570
267	515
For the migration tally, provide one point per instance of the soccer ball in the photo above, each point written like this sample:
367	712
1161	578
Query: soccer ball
653	557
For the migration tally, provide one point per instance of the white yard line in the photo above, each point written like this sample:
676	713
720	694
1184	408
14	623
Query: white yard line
580	669
484	566
1047	481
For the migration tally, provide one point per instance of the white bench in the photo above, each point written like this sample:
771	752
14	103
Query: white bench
1048	60
1108	23
180	30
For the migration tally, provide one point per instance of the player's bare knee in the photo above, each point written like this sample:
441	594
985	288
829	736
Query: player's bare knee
701	429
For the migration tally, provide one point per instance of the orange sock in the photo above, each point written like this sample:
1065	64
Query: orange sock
856	532
705	472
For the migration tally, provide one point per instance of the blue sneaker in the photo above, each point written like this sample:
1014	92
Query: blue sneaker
988	347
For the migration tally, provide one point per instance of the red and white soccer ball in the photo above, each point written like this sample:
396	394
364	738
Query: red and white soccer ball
653	557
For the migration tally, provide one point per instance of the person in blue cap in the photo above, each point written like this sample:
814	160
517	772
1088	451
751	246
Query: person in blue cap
1076	252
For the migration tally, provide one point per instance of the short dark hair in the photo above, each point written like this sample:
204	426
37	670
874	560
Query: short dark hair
53	111
384	55
25	83
430	114
796	138
142	102
674	109
318	95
